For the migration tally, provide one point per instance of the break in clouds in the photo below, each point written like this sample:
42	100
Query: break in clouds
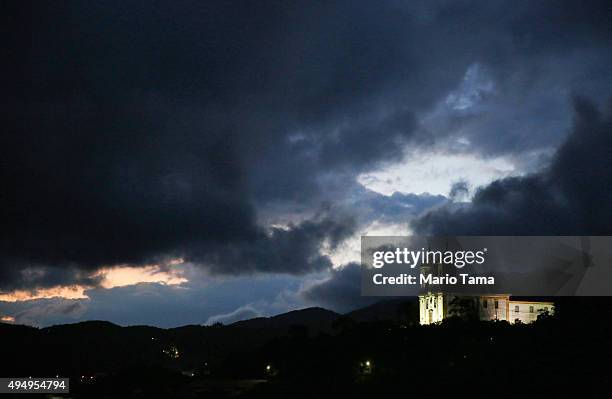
232	135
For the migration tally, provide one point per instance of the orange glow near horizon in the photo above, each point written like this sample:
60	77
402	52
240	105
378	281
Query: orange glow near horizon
124	275
110	277
67	292
7	319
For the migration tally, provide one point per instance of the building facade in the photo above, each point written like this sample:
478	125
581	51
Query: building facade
435	307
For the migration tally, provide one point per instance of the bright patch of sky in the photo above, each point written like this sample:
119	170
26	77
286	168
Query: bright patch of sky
350	250
434	170
171	274
435	173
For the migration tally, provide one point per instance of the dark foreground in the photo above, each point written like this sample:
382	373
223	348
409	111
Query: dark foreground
561	356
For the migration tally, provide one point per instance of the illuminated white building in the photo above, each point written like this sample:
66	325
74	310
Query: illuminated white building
434	307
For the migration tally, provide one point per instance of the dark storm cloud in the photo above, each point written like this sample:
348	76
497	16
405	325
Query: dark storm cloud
293	249
107	184
528	60
340	292
141	132
571	196
137	133
459	190
31	276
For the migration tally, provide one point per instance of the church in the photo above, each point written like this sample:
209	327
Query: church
434	307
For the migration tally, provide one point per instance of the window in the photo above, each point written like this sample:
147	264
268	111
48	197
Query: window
484	302
516	309
531	309
496	304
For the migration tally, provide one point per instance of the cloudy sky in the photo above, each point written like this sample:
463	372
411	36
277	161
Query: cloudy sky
176	162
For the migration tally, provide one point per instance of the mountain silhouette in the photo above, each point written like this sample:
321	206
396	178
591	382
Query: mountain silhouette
99	346
316	318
